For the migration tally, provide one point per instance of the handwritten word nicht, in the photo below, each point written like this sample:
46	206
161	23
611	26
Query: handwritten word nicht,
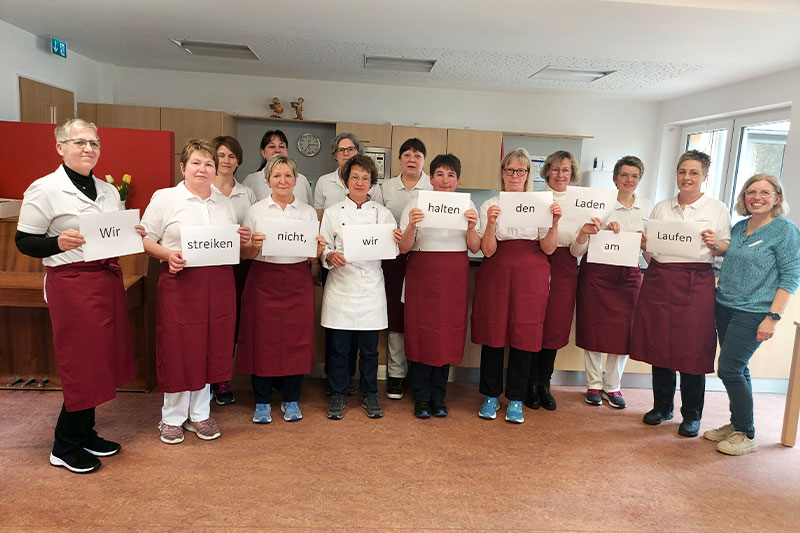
291	236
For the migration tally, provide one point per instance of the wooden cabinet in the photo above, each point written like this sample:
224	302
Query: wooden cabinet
480	155
434	139
196	124
379	135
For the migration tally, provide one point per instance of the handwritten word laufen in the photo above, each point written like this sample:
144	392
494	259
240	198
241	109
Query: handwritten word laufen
676	237
589	204
109	232
293	236
444	208
209	244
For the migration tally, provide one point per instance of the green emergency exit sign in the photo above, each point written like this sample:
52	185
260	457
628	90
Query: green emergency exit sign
59	48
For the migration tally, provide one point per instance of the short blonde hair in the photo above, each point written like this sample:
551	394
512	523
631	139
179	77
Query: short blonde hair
781	208
520	154
199	145
279	159
556	157
70	128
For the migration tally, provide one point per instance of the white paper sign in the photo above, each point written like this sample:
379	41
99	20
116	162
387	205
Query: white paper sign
286	237
581	204
110	234
443	209
525	209
620	249
210	245
675	237
369	242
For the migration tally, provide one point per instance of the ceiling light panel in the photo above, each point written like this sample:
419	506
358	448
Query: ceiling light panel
398	63
209	49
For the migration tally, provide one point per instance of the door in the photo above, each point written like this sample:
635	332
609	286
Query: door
44	104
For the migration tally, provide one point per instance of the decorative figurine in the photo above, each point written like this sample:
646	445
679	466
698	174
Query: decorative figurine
276	107
298	108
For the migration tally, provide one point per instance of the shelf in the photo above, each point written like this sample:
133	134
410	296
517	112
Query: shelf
270	119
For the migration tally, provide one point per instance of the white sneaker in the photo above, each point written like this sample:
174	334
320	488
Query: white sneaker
719	434
737	443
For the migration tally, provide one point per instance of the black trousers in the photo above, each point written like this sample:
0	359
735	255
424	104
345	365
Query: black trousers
693	389
519	368
339	364
428	382
288	385
73	429
329	349
542	364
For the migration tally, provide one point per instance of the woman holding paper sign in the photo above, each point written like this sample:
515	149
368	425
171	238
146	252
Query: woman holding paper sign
436	292
275	142
277	334
607	294
510	299
673	326
86	299
196	307
354	301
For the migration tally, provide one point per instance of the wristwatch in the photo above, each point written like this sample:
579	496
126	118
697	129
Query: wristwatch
774	316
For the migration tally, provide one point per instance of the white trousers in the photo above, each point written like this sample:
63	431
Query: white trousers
396	364
178	406
613	369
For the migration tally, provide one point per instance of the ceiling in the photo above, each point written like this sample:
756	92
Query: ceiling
658	48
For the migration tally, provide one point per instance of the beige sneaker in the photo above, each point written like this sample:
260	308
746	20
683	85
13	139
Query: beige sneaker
170	434
737	443
719	434
205	429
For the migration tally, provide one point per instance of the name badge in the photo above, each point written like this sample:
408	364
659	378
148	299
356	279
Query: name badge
525	209
609	248
110	234
443	210
581	204
675	237
369	242
210	245
290	238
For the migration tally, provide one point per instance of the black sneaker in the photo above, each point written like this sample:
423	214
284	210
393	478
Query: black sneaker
422	409
78	461
439	408
371	404
654	417
394	388
101	447
336	407
223	394
593	397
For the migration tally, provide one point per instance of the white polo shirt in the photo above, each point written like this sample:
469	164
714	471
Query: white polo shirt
631	218
396	196
269	208
330	190
171	208
242	198
435	239
52	204
567	229
258	183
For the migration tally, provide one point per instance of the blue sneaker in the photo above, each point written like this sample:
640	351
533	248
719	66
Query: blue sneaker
489	408
263	414
514	412
291	412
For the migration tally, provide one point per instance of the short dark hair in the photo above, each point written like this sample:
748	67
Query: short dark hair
695	155
231	144
412	144
265	141
630	161
446	160
363	161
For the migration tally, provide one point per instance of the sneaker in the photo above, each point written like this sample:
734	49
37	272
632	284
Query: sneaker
514	412
689	428
615	399
371	404
654	417
719	434
394	388
489	408
263	413
336	408
422	409
737	443
223	394
170	434
353	388
205	429
291	411
439	408
78	461
593	397
101	447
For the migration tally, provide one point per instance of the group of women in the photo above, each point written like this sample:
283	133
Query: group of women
525	290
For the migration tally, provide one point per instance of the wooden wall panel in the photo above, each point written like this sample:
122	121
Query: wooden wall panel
479	152
44	104
379	135
87	111
190	124
129	116
435	140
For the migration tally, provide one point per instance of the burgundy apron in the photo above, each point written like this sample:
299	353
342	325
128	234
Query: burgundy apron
394	271
561	300
195	320
276	336
673	326
508	306
604	307
239	279
437	294
91	331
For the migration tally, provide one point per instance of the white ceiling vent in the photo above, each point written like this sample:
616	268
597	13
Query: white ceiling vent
229	51
398	63
565	74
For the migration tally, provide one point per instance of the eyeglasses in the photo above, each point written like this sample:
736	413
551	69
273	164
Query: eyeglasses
346	151
518	171
694	174
761	194
80	143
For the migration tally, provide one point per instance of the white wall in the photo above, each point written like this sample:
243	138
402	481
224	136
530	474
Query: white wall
26	55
